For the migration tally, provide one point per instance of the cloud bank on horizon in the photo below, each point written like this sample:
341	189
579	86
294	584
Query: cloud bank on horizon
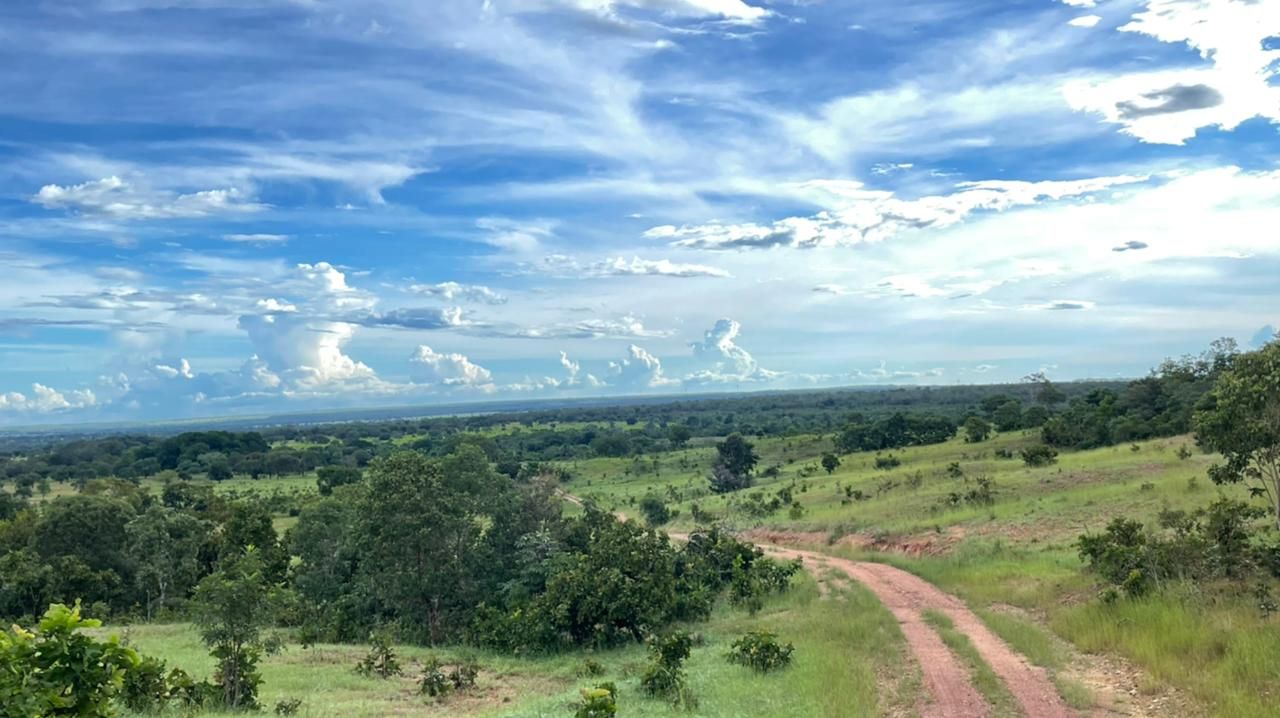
224	208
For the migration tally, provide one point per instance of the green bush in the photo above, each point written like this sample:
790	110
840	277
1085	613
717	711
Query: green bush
1039	455
380	661
664	677
145	689
598	702
58	670
433	681
761	652
288	706
884	463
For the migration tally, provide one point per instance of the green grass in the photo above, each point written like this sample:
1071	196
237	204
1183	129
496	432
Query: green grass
984	679
848	661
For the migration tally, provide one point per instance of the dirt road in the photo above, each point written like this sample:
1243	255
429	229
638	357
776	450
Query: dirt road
948	682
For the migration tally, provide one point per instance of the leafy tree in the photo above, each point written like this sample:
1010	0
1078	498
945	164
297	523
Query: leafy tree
830	462
1241	421
679	435
737	455
231	607
416	532
330	477
220	471
655	511
976	430
165	546
1008	417
58	670
723	481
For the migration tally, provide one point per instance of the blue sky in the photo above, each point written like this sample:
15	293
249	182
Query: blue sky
214	207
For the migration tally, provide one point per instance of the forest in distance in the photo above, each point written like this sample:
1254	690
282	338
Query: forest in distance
603	549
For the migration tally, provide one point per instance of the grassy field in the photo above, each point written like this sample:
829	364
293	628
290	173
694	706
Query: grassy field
1211	643
848	661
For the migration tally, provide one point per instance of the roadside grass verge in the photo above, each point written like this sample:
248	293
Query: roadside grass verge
848	660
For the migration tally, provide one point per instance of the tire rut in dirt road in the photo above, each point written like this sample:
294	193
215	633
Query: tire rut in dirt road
907	597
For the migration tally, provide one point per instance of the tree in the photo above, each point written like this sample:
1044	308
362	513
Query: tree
220	471
1240	419
655	511
830	462
231	607
330	477
679	435
1045	391
1008	417
977	429
723	481
164	545
737	455
416	534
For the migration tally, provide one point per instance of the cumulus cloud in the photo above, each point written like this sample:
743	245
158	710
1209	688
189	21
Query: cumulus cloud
1234	84
461	292
576	377
115	198
729	362
639	370
44	400
452	370
872	216
412	318
635	267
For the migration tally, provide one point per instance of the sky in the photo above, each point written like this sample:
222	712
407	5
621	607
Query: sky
220	207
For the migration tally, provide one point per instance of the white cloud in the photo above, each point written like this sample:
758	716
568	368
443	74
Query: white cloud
872	216
640	370
731	10
635	267
729	362
1058	305
461	292
883	373
257	238
1085	21
626	326
43	400
576	377
1169	106
1081	3
451	370
116	198
275	306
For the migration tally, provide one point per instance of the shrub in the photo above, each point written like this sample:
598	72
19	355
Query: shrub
58	670
288	706
591	668
598	702
380	661
655	512
761	652
463	675
145	689
1039	455
884	463
433	681
664	677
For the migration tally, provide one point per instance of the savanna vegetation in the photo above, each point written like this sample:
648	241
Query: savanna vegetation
522	564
